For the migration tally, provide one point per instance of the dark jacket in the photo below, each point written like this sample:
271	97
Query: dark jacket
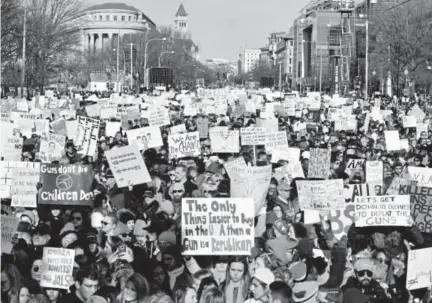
373	291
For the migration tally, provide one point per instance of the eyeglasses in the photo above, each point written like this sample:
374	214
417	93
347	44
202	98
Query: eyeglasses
177	191
126	235
36	268
171	175
77	218
362	273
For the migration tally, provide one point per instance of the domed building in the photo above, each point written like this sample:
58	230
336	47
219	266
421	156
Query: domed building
103	23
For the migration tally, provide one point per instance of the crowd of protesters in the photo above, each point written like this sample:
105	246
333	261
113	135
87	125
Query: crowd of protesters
128	245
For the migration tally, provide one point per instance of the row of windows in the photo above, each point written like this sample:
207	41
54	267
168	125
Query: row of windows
114	18
182	24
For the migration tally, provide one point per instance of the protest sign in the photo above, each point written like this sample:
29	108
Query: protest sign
57	267
417	112
421	128
409	121
111	128
355	168
93	110
286	154
247	182
59	127
374	172
253	136
145	137
224	140
392	140
382	210
108	112
276	140
319	163
421	175
203	127
87	136
11	148
270	125
291	170
51	147
184	145
176	129
217	226
397	182
419	268
66	184
9	226
237	161
71	128
6	170
346	122
421	205
127	165
23	187
321	195
158	116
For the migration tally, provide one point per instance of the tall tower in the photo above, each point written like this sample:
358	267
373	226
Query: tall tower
181	19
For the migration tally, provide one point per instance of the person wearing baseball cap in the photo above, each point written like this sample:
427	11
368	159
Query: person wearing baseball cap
260	283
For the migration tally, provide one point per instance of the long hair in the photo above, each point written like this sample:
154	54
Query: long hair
246	277
141	285
15	278
212	295
165	287
179	293
205	284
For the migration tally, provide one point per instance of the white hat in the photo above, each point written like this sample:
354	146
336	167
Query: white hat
306	154
264	275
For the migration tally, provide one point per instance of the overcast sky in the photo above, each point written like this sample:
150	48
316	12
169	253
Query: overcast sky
222	28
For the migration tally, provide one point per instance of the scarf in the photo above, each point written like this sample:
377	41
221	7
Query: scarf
234	292
174	274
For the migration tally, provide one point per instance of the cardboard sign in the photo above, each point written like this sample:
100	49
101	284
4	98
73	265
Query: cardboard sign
287	154
419	271
374	172
421	205
177	129
355	168
57	267
420	128
145	137
421	175
237	161
253	136
392	140
382	210
203	127
9	226
224	140
217	226
184	145
291	170
87	136
127	165
23	188
66	184
409	121
158	116
319	163
276	140
321	195
112	128
51	147
247	182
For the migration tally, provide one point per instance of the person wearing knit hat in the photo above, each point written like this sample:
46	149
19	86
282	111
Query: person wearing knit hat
260	285
223	188
127	217
28	216
305	292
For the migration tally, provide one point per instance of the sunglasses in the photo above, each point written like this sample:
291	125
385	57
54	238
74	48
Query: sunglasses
177	191
77	218
207	191
362	273
171	175
36	268
126	235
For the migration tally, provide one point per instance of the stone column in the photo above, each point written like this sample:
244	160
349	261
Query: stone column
110	40
94	36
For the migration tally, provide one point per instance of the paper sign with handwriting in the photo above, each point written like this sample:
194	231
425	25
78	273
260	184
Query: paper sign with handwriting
392	140
145	137
286	154
127	165
57	267
321	195
184	145
276	140
224	140
382	210
23	188
374	172
158	116
319	163
51	147
87	135
253	136
419	271
9	226
217	226
421	205
422	175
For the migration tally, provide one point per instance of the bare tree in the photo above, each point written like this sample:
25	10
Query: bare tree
11	29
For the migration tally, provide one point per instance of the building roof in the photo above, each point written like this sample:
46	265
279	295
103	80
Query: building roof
290	33
181	11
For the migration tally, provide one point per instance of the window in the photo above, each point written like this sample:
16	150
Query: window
289	69
100	18
291	43
123	18
115	18
107	17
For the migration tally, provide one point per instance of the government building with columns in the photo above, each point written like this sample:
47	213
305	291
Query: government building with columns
104	23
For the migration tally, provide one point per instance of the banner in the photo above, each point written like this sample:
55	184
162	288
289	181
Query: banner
218	226
23	188
253	136
250	182
276	140
421	205
66	184
382	210
321	195
422	175
51	147
319	163
374	172
419	268
145	137
184	145
127	165
158	116
86	138
224	140
57	267
9	226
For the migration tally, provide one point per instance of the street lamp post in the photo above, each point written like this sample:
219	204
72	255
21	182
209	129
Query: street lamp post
145	54
131	45
160	56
